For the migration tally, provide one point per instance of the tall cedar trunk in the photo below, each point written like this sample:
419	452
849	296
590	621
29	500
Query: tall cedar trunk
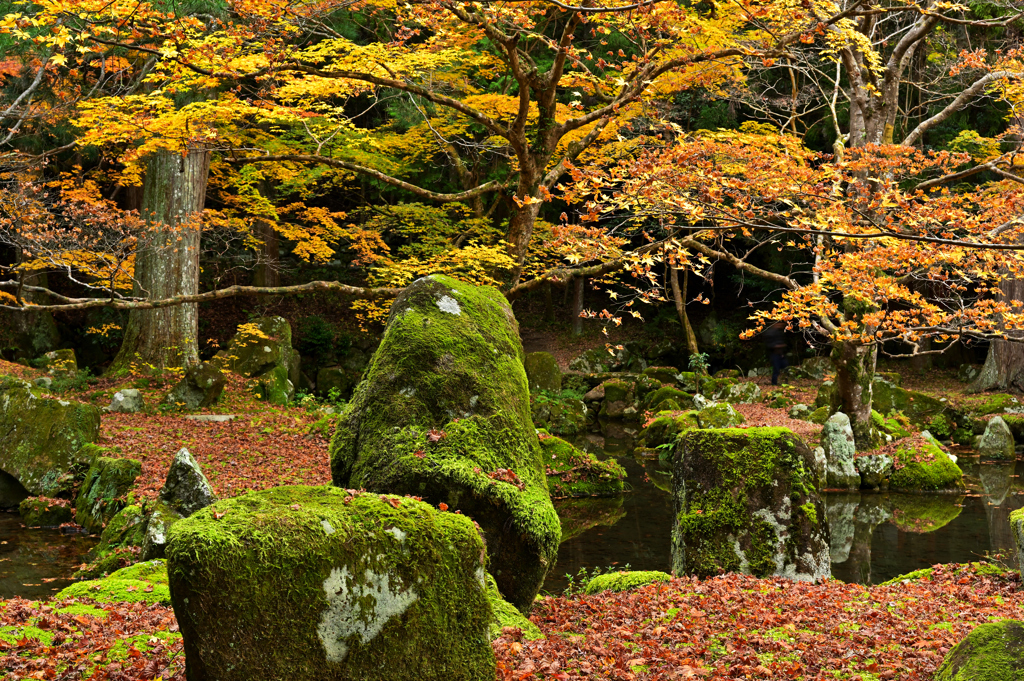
266	273
167	264
855	370
31	332
577	305
1004	365
679	296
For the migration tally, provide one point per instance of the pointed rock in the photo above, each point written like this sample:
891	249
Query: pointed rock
186	490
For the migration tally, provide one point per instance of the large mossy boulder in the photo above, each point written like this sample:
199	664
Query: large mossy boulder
920	465
262	350
200	387
574	473
102	494
747	500
542	371
444	414
42	439
991	652
322	583
559	414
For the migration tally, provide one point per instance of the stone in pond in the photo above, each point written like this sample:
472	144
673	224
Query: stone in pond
575	473
542	371
444	414
127	401
745	500
322	583
42	439
921	465
991	652
875	470
102	493
837	441
43	512
997	441
1017	527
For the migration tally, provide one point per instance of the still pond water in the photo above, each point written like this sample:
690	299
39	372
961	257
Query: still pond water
875	536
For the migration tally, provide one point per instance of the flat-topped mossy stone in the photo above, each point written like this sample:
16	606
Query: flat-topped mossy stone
444	414
920	465
624	580
323	583
654	401
102	494
991	652
664	375
45	512
42	438
747	500
575	473
139	583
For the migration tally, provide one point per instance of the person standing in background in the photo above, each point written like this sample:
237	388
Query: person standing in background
775	344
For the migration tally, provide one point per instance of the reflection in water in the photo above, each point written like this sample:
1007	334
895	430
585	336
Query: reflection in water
29	558
875	536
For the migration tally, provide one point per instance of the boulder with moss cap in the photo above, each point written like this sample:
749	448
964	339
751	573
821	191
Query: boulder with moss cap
322	583
624	580
747	500
997	440
575	473
42	439
102	494
185	491
921	465
444	414
991	652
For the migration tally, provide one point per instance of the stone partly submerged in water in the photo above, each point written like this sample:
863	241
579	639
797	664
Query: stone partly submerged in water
991	652
747	500
444	414
575	473
42	439
322	583
920	465
837	441
997	440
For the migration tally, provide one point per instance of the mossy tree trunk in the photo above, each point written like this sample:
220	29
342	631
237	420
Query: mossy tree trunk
855	370
167	264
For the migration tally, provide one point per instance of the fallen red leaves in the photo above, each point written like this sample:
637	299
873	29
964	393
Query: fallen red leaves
735	627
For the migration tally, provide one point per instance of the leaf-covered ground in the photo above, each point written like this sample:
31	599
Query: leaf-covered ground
736	627
730	627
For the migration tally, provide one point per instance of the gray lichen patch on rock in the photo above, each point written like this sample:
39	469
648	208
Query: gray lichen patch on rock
358	609
449	305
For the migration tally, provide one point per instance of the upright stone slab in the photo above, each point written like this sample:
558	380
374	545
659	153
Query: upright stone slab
41	438
745	500
997	440
840	450
326	584
444	413
262	350
1017	527
185	491
542	371
101	496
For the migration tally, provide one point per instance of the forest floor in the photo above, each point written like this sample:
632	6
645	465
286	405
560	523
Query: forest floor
729	627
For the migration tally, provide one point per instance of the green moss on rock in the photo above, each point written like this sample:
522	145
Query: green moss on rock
991	652
624	581
746	500
542	371
324	583
921	465
506	615
120	544
654	400
140	583
575	473
444	414
42	439
45	512
102	493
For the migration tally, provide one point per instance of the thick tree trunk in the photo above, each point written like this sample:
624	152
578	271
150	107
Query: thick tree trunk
34	332
679	296
577	305
1004	365
266	273
167	264
855	370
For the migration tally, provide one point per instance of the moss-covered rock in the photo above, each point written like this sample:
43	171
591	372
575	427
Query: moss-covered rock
997	440
119	544
262	350
42	439
1017	529
719	416
504	614
444	413
746	501
998	403
200	387
991	652
45	512
655	400
559	413
973	569
664	375
875	470
102	493
896	426
744	392
593	361
624	581
59	362
921	465
324	583
140	583
819	415
618	396
574	473
542	372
